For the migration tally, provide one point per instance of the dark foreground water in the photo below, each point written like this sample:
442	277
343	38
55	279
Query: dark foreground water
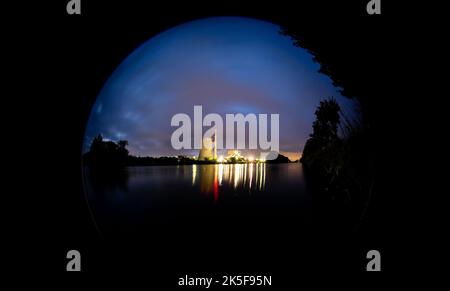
211	217
205	199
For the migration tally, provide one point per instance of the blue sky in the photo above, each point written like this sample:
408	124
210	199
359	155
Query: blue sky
225	64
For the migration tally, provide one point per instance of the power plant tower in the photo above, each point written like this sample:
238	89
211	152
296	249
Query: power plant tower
215	144
206	152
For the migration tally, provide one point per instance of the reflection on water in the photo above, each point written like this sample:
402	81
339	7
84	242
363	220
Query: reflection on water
251	193
213	178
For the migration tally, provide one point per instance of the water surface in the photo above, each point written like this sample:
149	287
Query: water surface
204	198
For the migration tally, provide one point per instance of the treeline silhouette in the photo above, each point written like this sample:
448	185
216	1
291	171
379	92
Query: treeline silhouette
341	170
107	154
335	164
280	159
112	155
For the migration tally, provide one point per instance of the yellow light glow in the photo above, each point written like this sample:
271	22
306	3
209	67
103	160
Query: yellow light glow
194	173
251	159
220	159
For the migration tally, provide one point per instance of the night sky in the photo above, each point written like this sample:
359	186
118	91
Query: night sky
225	64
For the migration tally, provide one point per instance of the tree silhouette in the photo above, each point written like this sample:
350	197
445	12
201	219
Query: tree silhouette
107	153
327	121
280	159
335	165
324	141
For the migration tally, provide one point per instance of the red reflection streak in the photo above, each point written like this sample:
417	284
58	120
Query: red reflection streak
216	189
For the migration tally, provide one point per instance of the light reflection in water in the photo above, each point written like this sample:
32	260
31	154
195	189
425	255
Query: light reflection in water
220	174
211	178
251	176
194	173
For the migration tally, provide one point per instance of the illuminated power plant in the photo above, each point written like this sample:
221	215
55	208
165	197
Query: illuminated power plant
208	150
